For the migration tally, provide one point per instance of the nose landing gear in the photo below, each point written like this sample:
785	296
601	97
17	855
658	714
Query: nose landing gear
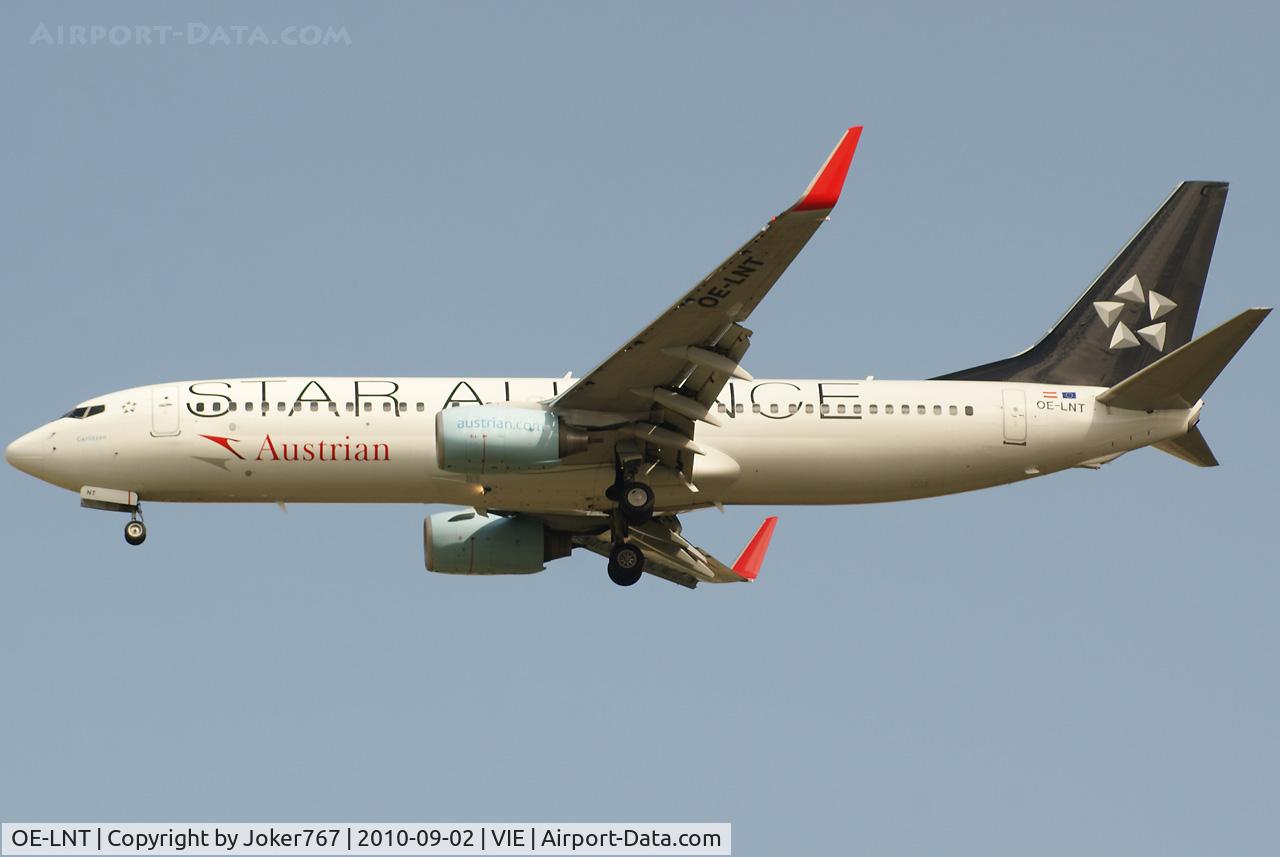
135	532
117	500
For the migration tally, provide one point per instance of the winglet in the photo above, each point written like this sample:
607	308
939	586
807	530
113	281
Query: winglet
824	190
748	563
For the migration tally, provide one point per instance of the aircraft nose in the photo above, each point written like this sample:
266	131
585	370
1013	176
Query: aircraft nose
26	452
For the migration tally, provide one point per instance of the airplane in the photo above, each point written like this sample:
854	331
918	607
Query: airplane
672	422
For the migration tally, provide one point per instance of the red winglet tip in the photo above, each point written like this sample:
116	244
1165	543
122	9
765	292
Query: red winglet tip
824	190
752	557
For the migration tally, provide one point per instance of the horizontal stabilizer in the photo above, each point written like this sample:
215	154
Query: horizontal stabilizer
1191	448
1179	379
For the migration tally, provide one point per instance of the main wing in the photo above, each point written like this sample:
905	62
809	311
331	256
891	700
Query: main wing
668	375
669	555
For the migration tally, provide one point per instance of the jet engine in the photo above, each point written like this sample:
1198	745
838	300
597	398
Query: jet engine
503	439
468	543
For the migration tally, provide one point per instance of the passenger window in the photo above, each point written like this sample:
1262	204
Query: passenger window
968	410
422	407
404	406
280	407
773	409
739	408
937	410
871	408
199	406
919	409
840	409
266	406
857	409
368	406
386	407
826	409
906	409
232	407
792	408
755	409
350	407
808	409
952	410
888	409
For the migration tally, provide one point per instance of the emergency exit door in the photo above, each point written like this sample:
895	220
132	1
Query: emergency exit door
1015	417
165	419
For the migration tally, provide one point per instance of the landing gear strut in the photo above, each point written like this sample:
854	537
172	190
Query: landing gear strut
626	564
135	532
634	508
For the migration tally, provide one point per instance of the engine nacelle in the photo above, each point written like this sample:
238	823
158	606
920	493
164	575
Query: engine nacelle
502	439
467	543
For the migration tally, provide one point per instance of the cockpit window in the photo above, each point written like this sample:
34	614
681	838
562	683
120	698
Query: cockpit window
82	413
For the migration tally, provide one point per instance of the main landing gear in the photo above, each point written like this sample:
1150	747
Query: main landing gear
626	564
634	508
135	532
635	502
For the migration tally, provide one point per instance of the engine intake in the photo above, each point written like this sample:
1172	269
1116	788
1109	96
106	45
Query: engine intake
501	439
467	543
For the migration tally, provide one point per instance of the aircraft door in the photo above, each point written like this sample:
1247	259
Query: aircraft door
165	414
1015	417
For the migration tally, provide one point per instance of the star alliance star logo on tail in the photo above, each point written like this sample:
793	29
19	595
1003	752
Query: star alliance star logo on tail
1131	293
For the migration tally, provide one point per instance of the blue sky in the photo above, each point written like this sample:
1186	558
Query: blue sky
1079	664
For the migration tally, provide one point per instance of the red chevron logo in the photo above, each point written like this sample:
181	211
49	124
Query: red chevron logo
225	443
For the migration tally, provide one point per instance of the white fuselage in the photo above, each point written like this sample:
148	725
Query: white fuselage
372	440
